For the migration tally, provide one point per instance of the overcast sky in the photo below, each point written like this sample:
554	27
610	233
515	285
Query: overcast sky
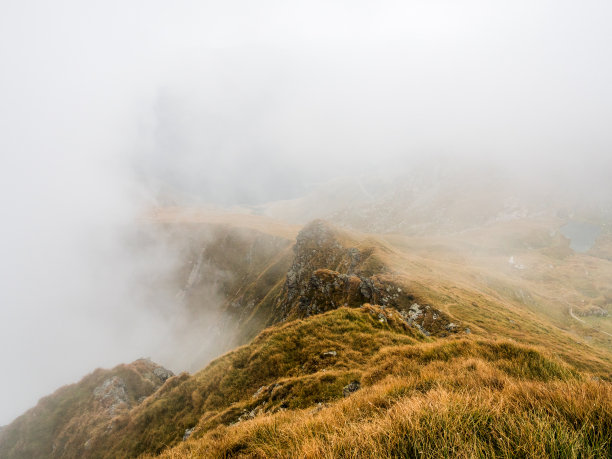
102	103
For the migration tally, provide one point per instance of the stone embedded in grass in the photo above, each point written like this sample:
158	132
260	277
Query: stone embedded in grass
247	415
259	391
188	433
350	388
329	354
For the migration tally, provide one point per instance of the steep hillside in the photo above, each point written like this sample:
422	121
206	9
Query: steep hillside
356	344
516	279
263	280
443	397
361	381
63	424
229	268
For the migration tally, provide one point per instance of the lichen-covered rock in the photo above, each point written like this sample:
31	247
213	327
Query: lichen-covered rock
354	386
71	421
326	274
112	395
163	373
188	433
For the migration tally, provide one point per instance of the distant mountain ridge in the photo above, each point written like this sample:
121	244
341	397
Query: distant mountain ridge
443	198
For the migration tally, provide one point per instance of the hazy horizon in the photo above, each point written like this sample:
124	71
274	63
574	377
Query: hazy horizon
109	107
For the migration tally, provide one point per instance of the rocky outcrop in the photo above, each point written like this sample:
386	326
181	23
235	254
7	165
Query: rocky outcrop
327	289
327	274
429	320
324	273
264	280
112	395
269	284
74	417
162	373
188	433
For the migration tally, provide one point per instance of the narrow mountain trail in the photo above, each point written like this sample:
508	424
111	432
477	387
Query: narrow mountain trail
574	316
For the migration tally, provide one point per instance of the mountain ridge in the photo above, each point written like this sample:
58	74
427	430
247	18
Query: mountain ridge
320	305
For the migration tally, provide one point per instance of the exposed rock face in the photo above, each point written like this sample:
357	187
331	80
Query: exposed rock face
317	247
267	281
112	395
428	320
327	289
163	373
324	274
70	422
327	275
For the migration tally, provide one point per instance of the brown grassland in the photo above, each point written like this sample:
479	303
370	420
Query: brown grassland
450	397
521	377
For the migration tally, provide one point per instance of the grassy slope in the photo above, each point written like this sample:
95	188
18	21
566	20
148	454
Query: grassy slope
433	397
466	275
287	359
66	419
471	397
469	277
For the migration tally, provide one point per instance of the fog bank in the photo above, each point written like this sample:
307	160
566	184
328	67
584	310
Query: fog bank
109	108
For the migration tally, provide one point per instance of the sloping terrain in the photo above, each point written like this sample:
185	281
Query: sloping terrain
519	280
263	278
382	345
360	381
63	423
514	279
443	397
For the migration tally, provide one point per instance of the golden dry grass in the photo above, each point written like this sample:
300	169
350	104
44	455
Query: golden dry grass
463	398
485	414
466	397
478	395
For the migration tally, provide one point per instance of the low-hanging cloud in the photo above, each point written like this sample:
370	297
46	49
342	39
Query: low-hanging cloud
108	108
